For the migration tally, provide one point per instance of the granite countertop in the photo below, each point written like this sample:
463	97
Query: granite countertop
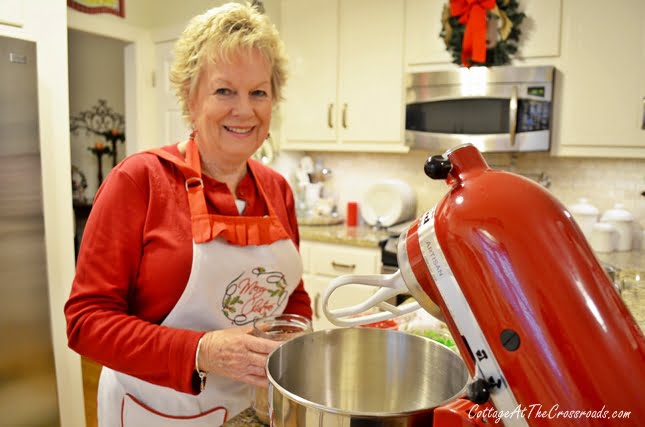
368	236
246	418
625	261
630	280
362	235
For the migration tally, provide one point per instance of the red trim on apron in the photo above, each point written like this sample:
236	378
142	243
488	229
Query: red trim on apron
170	417
237	230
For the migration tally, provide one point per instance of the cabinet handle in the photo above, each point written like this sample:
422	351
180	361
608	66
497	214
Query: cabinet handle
512	115
330	116
316	305
643	122
345	115
343	266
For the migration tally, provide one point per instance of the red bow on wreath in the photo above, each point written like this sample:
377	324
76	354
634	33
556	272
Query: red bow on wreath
472	13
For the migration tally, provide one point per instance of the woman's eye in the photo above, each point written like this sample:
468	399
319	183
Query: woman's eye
223	91
259	93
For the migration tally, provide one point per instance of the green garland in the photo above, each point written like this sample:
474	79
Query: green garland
501	53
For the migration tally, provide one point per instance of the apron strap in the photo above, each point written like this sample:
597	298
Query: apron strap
240	230
202	230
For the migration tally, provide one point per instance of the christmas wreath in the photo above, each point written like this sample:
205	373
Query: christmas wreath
481	32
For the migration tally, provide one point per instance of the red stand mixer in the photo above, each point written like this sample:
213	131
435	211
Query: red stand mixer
536	319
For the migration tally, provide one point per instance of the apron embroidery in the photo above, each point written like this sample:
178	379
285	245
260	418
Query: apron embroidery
258	293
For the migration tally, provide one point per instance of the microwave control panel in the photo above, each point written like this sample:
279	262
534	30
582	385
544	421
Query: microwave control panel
533	115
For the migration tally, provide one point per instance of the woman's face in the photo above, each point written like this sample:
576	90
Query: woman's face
231	107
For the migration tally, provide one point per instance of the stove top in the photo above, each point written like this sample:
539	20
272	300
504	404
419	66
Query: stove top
389	245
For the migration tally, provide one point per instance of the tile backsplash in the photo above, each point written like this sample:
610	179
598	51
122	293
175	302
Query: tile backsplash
603	181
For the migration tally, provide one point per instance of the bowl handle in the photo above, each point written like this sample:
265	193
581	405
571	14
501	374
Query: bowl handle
391	284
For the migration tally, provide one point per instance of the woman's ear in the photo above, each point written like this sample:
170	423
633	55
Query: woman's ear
191	111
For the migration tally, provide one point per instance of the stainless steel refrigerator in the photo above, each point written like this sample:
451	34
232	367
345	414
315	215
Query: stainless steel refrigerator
27	377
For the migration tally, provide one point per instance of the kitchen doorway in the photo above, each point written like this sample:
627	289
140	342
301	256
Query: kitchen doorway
97	115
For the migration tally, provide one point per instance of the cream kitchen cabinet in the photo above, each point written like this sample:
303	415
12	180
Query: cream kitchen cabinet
12	12
602	80
424	46
323	262
345	88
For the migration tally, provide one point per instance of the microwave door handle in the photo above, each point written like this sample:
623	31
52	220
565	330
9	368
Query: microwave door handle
512	115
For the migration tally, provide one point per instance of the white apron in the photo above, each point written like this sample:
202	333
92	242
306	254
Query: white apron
242	268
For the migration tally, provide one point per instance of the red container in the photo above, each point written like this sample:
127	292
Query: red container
352	214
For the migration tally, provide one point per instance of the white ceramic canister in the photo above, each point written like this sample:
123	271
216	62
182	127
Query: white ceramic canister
623	221
585	214
388	202
604	237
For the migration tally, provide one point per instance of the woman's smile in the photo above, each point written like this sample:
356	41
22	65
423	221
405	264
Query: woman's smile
240	130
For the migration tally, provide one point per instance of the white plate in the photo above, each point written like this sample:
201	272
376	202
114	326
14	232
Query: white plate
388	202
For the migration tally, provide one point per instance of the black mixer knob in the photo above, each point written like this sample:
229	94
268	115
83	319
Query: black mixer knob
437	167
478	391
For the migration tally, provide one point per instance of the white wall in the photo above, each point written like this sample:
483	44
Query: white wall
154	13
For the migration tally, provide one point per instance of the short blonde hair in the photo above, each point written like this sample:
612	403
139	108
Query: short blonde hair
217	35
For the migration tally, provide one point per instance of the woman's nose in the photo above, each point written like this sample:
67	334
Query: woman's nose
242	106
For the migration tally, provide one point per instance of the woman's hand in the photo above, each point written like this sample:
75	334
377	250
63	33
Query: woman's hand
236	354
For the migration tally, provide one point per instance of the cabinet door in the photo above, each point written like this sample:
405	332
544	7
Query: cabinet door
315	287
328	259
310	33
371	70
423	45
12	12
603	79
540	29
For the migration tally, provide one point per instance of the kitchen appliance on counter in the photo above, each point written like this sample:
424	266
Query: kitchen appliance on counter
536	319
498	109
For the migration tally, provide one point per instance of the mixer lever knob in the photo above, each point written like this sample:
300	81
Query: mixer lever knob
437	167
478	391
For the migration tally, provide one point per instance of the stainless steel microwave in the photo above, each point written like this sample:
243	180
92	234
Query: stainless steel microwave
497	109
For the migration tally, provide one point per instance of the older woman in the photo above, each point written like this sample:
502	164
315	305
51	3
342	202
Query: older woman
187	244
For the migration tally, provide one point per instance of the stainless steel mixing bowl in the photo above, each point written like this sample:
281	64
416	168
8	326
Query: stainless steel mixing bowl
363	377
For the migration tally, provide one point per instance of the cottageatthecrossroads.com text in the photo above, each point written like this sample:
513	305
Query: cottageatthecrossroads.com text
538	411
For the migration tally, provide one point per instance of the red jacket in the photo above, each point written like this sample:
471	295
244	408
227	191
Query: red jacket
135	260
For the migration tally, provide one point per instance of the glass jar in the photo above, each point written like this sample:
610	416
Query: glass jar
281	327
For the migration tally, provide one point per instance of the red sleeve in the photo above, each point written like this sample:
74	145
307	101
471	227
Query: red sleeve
100	320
